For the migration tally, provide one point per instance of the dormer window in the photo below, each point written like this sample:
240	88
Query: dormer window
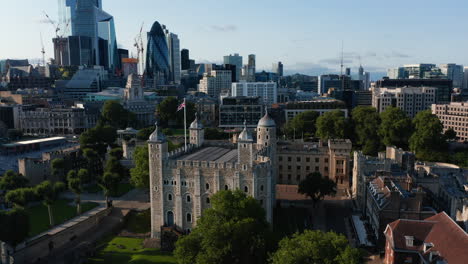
409	241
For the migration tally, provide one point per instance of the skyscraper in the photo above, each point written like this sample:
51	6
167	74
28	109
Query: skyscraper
85	18
234	60
453	72
173	45
185	59
278	68
157	55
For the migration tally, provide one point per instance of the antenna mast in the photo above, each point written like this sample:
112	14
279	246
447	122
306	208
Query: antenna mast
342	56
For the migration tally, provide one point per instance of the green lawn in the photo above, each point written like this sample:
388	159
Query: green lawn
39	216
122	250
139	222
289	221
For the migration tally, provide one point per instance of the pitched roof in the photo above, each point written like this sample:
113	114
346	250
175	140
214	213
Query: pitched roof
448	239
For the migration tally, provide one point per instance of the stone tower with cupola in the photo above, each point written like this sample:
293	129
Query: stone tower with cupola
266	135
197	133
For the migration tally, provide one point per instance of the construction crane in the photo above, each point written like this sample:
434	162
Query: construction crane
56	26
42	51
140	48
58	35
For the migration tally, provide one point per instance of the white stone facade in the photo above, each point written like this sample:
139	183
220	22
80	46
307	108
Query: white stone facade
453	116
268	91
183	181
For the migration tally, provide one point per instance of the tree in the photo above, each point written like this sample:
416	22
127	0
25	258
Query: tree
167	111
396	128
450	134
317	187
109	183
140	174
215	134
84	176
427	140
93	160
331	125
20	197
115	115
233	230
113	166
144	134
366	122
302	124
48	193
14	226
58	168
98	139
12	180
116	153
74	185
314	246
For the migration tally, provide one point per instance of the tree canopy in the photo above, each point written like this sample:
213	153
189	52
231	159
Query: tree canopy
12	180
396	128
20	197
168	114
427	141
140	174
14	226
317	187
302	124
314	246
115	115
98	139
366	122
331	125
233	230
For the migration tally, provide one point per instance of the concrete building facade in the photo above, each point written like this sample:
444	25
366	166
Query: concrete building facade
409	99
268	91
453	116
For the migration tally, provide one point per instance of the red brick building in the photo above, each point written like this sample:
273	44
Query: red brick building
437	239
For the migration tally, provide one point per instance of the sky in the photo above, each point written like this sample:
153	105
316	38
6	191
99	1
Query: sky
306	35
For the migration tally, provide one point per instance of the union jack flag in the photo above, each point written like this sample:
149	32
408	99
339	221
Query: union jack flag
181	106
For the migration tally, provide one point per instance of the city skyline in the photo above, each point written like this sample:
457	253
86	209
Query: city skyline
307	42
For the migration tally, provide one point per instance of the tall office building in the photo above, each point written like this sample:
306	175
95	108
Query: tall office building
278	68
173	45
465	79
396	73
364	77
453	72
416	71
85	18
157	55
328	81
268	91
185	59
215	83
235	60
412	100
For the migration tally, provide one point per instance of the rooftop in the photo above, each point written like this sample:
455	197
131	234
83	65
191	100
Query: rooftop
216	154
26	142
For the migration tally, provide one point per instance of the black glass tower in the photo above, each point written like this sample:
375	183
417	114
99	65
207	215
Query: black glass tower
157	56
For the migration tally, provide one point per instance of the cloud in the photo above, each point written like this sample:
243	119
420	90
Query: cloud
396	54
335	61
224	28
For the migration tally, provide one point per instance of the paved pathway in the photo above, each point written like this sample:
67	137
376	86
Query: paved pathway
135	199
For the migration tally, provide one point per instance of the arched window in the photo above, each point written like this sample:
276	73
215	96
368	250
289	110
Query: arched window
246	189
261	188
188	198
170	218
189	217
207	200
207	186
226	187
169	197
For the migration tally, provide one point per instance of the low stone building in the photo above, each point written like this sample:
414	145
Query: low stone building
331	158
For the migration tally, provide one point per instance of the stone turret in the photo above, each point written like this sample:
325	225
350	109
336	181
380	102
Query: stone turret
266	134
197	133
158	153
245	147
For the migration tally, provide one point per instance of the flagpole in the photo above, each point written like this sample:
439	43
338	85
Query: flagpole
185	125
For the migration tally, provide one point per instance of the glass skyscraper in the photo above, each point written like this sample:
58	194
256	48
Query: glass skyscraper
157	56
87	19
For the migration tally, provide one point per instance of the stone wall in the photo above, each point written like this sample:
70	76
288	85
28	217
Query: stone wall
38	248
